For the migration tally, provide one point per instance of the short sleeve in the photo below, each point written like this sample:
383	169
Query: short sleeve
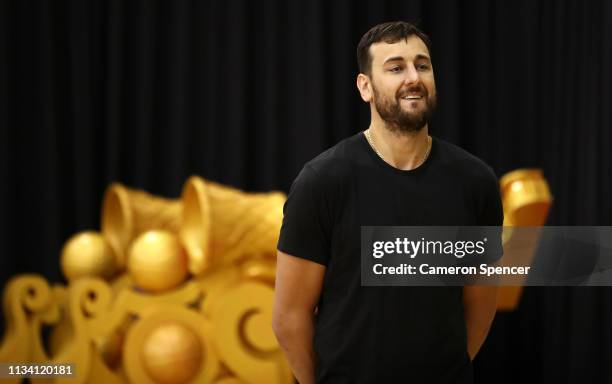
306	227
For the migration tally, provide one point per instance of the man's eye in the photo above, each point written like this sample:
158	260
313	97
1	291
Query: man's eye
395	69
423	67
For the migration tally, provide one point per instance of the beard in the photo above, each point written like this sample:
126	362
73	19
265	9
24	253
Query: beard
399	120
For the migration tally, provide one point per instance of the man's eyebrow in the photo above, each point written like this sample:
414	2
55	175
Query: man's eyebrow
422	56
394	58
419	56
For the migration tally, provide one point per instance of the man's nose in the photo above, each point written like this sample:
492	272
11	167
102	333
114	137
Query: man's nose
412	75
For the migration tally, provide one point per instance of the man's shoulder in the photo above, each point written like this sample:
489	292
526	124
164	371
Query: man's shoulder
462	162
335	162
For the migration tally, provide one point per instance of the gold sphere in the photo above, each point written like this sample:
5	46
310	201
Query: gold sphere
87	254
157	262
172	353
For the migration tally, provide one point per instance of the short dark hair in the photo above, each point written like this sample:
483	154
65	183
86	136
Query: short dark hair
389	32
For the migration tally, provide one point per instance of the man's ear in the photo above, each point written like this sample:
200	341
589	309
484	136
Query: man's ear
364	86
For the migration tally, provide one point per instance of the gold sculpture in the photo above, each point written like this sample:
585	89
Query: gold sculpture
170	291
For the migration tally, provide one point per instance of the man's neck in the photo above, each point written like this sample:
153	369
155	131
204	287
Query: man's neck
405	151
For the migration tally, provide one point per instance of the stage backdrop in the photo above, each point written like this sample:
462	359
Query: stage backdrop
244	93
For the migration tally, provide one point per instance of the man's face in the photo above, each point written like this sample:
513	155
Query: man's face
403	86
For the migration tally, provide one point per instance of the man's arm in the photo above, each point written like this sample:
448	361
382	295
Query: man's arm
297	290
479	303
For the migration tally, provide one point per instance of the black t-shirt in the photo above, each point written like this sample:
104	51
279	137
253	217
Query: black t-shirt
385	334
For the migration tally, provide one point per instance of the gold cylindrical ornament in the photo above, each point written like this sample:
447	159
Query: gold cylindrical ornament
223	224
526	197
526	200
127	213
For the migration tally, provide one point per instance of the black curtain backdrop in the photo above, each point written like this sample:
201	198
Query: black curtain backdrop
244	93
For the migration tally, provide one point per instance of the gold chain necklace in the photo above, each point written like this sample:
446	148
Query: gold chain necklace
370	139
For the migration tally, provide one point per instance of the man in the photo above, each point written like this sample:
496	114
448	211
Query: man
332	329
